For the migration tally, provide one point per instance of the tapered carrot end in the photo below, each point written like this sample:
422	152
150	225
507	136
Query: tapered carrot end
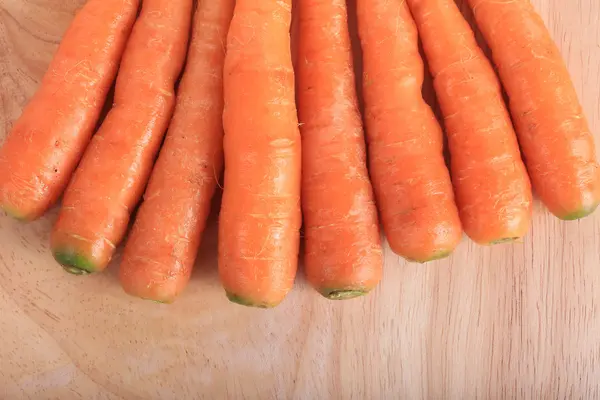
343	294
161	301
582	213
13	213
439	256
506	240
436	256
170	301
243	301
74	263
153	297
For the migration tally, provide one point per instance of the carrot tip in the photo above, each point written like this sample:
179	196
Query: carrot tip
584	212
505	240
157	301
343	294
246	302
436	256
74	263
152	299
75	271
11	212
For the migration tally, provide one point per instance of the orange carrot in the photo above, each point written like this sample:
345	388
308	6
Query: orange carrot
492	188
410	177
343	257
47	141
114	170
162	246
259	229
553	132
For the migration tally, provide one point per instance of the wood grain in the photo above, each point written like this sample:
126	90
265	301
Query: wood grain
515	321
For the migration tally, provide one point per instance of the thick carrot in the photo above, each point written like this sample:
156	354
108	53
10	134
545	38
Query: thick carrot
162	246
259	229
553	132
493	192
114	170
410	177
343	257
47	141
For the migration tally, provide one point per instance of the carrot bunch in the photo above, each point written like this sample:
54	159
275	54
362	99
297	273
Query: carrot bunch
291	142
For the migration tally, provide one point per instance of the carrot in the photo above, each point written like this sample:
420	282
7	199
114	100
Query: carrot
412	183
343	257
162	246
493	192
259	229
553	132
114	170
47	141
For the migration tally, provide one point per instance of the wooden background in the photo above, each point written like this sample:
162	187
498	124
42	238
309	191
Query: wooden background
513	321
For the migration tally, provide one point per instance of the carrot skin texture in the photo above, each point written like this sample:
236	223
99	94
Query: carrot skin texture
47	141
163	243
492	189
343	256
259	228
114	170
412	183
554	134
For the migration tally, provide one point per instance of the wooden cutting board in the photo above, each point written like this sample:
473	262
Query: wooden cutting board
511	321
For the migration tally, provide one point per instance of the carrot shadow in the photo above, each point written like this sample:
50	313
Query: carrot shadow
357	55
301	274
112	270
205	268
466	11
108	104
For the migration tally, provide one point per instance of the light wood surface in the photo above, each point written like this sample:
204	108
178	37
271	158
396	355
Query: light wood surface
512	321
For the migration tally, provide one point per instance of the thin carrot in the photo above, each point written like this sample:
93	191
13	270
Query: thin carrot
553	132
162	246
259	229
47	141
343	257
493	192
114	170
410	177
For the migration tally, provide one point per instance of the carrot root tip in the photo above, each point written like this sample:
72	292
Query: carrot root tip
158	301
584	212
74	263
13	213
436	256
243	301
75	271
343	294
152	299
505	240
